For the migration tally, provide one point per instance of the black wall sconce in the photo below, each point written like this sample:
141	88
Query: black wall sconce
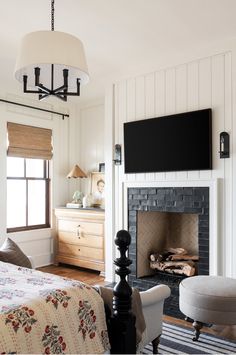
224	145
117	154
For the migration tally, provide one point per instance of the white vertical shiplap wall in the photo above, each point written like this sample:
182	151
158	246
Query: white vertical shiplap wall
91	140
204	83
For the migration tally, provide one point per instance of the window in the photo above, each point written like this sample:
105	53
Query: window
28	180
27	194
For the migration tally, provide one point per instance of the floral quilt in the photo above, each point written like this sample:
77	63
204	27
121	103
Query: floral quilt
42	313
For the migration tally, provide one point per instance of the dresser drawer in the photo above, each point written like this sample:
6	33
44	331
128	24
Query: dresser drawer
80	227
81	251
81	239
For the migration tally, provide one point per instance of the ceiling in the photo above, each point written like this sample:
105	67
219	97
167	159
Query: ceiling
121	37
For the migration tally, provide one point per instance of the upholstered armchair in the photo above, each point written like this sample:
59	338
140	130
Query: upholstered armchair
152	305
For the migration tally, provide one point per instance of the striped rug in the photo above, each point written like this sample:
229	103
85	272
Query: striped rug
178	340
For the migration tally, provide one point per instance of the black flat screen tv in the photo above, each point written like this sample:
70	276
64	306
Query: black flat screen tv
170	143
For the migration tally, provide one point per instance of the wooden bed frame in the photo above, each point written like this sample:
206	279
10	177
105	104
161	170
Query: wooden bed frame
121	325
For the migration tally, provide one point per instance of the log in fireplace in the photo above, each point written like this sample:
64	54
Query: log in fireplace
174	261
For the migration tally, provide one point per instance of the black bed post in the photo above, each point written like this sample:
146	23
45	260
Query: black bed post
122	331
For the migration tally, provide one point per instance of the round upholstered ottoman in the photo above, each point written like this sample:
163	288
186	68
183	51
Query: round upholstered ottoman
208	299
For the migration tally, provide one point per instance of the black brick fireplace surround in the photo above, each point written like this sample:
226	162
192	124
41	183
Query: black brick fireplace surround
169	199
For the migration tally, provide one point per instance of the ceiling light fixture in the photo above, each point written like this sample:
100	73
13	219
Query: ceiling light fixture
52	63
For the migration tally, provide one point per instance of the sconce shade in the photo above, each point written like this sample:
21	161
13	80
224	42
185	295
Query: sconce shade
44	48
76	172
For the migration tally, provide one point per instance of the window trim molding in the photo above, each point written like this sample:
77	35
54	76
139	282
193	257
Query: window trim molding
27	228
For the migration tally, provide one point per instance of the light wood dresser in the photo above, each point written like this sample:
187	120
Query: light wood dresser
80	237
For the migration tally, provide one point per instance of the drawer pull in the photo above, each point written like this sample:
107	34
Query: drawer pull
78	249
78	231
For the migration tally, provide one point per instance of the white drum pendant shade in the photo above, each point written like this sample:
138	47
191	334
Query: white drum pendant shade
44	48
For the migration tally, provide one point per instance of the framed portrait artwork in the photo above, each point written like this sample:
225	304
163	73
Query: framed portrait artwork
98	189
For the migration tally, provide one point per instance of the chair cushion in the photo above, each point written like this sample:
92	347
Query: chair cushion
209	299
11	253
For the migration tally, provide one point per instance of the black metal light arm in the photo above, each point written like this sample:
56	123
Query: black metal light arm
37	75
64	87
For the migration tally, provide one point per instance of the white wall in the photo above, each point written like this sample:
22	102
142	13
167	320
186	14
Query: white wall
39	243
91	140
207	81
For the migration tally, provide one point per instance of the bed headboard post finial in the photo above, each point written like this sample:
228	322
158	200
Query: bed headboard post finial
123	321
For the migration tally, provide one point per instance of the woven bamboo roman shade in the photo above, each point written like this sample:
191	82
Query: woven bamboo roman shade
29	142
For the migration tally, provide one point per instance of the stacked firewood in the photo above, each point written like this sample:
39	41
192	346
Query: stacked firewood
174	260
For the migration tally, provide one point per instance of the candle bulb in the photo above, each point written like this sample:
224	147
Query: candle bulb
222	145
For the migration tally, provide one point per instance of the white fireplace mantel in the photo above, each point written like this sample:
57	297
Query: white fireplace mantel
216	255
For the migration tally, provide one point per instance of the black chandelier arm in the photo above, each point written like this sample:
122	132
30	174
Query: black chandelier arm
44	89
68	93
43	96
37	81
63	87
52	77
40	86
25	87
64	92
27	91
65	76
78	86
36	76
61	97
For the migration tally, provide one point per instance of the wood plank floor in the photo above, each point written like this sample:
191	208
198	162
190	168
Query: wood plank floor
72	272
93	278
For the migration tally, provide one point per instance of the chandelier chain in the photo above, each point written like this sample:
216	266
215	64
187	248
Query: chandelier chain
52	15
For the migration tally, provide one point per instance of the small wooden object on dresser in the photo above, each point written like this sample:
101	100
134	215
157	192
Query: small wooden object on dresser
80	237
